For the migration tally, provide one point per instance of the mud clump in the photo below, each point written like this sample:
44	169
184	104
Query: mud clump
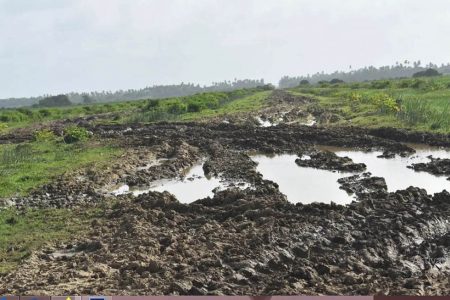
436	166
330	161
363	184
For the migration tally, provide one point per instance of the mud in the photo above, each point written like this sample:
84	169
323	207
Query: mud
436	166
250	241
330	161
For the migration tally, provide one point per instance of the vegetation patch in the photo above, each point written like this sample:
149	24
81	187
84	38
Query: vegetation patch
21	232
416	103
29	165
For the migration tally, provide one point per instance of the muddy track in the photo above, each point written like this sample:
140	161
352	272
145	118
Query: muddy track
250	241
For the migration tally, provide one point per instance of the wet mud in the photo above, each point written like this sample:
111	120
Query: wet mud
240	241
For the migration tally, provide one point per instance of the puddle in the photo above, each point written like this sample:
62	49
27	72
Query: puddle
310	121
307	185
264	123
395	170
302	184
195	185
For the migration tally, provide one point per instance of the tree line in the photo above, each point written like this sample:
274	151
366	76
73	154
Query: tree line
151	92
399	70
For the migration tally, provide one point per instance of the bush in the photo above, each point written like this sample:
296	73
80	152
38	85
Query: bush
418	84
385	103
336	80
152	104
44	135
427	73
304	82
45	112
176	108
3	127
73	134
380	84
194	107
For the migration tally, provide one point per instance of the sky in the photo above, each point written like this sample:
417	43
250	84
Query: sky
59	46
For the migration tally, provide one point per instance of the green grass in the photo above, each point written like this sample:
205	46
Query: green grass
22	117
245	104
26	166
421	104
21	232
201	106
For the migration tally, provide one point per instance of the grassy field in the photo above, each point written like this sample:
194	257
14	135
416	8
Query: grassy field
420	103
29	165
25	231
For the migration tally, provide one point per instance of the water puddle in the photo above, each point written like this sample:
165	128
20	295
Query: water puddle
302	184
195	185
395	170
264	123
307	185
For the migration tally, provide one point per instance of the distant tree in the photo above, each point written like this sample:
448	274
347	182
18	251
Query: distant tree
87	99
55	101
427	73
336	80
304	82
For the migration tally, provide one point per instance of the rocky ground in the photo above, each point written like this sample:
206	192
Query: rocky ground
250	241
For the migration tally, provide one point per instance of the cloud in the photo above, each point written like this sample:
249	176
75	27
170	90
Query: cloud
59	46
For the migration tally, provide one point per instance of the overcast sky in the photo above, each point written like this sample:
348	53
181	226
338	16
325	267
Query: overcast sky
57	46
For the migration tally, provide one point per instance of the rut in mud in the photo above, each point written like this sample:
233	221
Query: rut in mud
240	241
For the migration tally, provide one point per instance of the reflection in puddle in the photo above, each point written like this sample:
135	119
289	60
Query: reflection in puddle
192	187
396	173
301	184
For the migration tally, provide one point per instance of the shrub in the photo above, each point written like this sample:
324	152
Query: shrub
304	82
152	104
45	112
355	97
44	135
380	84
194	107
418	83
73	134
176	108
427	73
336	80
3	127
385	103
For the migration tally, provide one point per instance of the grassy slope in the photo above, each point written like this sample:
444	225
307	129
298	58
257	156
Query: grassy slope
433	93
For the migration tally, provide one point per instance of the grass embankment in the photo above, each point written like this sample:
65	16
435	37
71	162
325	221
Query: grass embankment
420	103
201	106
